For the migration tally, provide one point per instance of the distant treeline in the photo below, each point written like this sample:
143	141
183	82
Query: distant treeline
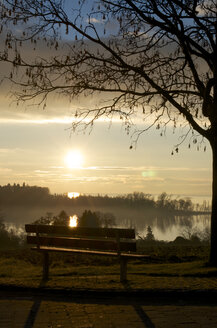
24	195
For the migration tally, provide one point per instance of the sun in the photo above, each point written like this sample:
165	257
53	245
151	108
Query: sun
74	159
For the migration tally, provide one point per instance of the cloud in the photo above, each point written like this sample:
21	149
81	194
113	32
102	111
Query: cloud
145	169
95	20
207	7
190	181
5	150
5	170
143	172
111	179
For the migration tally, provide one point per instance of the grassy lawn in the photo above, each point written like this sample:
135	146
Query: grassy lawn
17	269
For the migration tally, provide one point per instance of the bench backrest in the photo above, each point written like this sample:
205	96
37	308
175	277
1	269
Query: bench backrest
107	239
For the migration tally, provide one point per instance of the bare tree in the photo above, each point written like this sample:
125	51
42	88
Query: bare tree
154	59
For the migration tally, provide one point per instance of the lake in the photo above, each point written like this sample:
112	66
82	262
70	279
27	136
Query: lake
166	227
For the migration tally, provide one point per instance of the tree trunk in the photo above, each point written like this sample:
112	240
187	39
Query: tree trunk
213	248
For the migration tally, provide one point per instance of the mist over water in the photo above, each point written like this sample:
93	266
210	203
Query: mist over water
166	227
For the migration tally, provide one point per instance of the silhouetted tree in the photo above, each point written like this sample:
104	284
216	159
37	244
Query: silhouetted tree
158	62
149	235
61	219
34	195
89	219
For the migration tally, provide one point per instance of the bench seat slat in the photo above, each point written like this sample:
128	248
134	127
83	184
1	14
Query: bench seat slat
108	245
80	231
89	252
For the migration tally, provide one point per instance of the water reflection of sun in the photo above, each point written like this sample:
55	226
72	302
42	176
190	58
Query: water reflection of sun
73	221
73	194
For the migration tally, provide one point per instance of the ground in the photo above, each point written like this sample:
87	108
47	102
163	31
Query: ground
28	309
160	295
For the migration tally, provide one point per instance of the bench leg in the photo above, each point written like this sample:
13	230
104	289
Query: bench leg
45	265
123	269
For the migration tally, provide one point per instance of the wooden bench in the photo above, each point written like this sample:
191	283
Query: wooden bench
111	242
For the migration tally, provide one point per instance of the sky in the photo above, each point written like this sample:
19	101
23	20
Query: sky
35	143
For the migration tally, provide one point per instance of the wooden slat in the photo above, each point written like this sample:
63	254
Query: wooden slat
81	243
76	251
91	252
86	231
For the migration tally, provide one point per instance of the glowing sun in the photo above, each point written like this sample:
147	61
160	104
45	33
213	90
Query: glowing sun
74	159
